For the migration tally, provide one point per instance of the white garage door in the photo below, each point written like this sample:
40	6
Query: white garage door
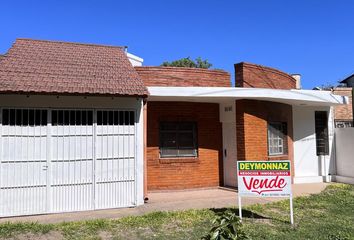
66	160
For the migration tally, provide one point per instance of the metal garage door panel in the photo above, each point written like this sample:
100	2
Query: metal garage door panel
72	160
23	174
66	160
115	159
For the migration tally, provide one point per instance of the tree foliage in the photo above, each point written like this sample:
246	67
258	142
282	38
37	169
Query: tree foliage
187	62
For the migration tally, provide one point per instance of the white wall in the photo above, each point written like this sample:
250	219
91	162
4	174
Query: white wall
228	111
345	155
135	60
74	102
308	166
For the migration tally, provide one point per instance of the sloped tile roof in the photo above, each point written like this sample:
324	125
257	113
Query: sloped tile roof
49	67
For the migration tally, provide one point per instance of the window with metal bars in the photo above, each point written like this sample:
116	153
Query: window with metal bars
24	117
72	117
113	117
277	138
321	129
178	139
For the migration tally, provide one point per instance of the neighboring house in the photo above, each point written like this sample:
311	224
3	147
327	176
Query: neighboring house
343	114
349	81
83	129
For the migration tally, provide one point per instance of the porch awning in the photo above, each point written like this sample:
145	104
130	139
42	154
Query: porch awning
224	94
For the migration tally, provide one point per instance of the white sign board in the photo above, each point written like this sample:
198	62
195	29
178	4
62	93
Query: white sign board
264	179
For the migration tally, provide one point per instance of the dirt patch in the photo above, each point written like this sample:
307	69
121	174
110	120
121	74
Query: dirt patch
105	235
53	235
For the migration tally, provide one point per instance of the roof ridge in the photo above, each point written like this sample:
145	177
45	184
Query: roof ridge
66	42
53	74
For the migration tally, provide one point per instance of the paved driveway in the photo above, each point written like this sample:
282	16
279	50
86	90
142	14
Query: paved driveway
170	201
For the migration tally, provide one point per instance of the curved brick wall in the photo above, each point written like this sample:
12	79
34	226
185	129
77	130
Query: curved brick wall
183	77
257	76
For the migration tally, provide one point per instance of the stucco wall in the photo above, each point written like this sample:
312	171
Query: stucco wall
308	166
345	153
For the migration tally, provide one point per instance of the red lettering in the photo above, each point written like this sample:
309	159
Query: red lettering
265	185
245	182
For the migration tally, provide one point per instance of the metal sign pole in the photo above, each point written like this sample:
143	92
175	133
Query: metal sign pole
239	207
239	197
291	210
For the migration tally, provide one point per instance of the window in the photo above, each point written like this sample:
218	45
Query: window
178	139
321	128
24	117
277	138
72	117
112	117
85	117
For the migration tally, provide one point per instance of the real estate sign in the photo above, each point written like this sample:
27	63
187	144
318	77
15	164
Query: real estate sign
264	179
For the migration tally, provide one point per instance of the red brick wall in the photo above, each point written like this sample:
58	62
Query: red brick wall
174	173
252	117
257	76
344	112
183	77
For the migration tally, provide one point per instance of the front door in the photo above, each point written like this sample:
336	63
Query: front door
229	152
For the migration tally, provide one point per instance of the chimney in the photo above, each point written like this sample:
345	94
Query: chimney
297	77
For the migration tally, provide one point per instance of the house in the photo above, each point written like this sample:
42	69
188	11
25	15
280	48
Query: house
88	127
349	81
265	118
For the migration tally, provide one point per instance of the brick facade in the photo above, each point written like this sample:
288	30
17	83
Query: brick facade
184	173
252	117
344	112
183	77
257	76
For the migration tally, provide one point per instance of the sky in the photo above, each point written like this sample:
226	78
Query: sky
314	38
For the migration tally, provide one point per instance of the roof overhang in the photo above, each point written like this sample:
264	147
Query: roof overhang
225	94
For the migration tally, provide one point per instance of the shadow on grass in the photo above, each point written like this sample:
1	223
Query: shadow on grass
245	213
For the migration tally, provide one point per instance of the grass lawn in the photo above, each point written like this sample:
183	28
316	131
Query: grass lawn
328	215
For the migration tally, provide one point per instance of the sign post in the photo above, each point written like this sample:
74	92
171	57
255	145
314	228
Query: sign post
264	179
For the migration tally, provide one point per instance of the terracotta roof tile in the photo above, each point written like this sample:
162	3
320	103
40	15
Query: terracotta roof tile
48	67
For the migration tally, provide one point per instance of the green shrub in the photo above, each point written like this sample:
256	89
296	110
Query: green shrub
226	225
